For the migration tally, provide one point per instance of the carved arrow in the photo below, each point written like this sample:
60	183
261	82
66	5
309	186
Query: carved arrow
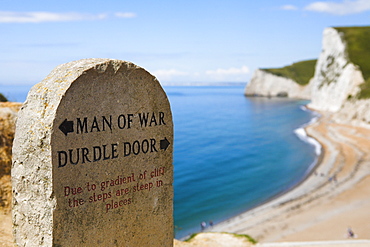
66	127
164	144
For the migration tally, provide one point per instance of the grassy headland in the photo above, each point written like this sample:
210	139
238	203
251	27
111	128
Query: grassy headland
300	72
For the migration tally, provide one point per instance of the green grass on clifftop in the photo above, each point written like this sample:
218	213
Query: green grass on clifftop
358	51
300	72
245	236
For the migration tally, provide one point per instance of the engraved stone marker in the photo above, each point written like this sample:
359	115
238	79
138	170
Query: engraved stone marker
92	159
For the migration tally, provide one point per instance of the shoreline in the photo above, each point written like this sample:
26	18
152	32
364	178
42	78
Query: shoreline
311	169
280	218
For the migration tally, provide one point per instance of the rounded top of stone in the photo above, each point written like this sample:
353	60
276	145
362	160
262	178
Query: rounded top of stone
68	72
55	85
97	63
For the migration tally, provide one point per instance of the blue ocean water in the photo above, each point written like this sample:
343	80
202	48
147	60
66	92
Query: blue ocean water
232	153
15	93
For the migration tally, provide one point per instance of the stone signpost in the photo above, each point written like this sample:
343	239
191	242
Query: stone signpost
92	159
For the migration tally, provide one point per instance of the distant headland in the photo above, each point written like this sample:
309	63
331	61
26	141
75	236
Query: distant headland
337	82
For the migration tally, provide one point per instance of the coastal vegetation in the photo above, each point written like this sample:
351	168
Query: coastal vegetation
243	236
358	51
357	40
3	98
300	72
249	238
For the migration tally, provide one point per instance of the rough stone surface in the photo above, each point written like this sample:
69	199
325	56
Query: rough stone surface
92	159
267	84
8	115
337	82
336	78
355	112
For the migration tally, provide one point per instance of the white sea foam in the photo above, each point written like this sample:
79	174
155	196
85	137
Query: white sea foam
301	132
303	108
316	115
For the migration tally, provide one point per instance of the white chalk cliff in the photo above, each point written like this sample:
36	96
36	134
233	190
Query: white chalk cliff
337	81
333	88
335	76
264	83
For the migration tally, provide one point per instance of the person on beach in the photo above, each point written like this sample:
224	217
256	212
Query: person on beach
211	223
203	225
351	234
333	179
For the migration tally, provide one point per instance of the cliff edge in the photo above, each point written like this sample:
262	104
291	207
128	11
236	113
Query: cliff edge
335	76
291	81
341	80
340	84
264	83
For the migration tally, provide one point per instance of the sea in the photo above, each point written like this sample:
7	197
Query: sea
231	152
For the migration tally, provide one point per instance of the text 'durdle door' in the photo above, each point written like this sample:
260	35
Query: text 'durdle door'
111	144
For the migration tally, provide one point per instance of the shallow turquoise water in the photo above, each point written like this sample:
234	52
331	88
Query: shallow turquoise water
233	153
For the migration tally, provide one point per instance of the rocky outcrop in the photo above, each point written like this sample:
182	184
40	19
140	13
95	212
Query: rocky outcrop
8	114
335	86
336	79
264	83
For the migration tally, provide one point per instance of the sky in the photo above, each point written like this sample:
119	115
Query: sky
179	42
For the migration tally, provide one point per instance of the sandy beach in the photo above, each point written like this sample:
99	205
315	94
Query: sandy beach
332	199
